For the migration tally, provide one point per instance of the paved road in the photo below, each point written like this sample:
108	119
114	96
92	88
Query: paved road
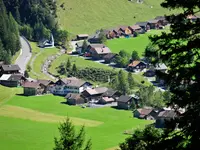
25	55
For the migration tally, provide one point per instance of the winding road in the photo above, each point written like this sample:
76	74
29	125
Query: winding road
25	55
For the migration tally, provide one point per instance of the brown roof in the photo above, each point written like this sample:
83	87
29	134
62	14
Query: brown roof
45	82
10	67
104	50
167	114
107	99
73	82
110	56
98	90
135	27
123	27
144	111
31	84
74	96
134	63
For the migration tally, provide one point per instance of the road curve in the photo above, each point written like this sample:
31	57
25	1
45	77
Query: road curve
24	56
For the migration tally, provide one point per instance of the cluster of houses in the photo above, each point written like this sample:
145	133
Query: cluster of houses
77	92
161	116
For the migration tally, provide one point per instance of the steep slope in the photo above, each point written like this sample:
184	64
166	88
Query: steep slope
86	16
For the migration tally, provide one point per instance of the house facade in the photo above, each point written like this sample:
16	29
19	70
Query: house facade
136	66
33	88
82	36
12	80
124	31
135	29
145	113
98	51
9	69
94	94
74	99
110	58
164	117
125	102
69	85
47	85
144	25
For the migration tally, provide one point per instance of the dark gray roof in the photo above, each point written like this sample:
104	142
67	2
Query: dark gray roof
124	98
15	77
10	67
167	114
109	93
141	23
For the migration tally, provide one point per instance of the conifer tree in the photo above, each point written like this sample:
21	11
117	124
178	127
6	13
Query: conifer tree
69	139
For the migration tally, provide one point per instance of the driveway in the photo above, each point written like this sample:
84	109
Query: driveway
24	56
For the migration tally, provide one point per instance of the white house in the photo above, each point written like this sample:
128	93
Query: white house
70	85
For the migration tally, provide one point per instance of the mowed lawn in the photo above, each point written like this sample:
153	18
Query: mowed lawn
130	44
87	16
6	93
28	133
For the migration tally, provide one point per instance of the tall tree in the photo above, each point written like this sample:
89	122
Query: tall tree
122	83
69	139
131	81
135	55
74	70
179	49
68	65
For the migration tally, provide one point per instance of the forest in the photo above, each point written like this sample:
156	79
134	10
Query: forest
34	19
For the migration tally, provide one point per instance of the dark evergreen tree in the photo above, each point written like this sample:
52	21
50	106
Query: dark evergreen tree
135	55
69	139
131	81
9	35
68	65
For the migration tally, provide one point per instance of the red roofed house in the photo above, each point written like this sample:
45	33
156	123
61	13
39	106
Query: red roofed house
124	31
98	51
137	65
135	28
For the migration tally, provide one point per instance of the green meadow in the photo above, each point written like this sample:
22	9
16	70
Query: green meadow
32	122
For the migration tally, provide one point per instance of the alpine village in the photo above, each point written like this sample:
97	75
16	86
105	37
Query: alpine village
99	75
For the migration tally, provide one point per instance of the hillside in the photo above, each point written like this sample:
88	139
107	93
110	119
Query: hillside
86	16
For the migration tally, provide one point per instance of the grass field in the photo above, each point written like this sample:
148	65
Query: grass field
7	93
91	15
39	60
36	130
80	63
129	44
